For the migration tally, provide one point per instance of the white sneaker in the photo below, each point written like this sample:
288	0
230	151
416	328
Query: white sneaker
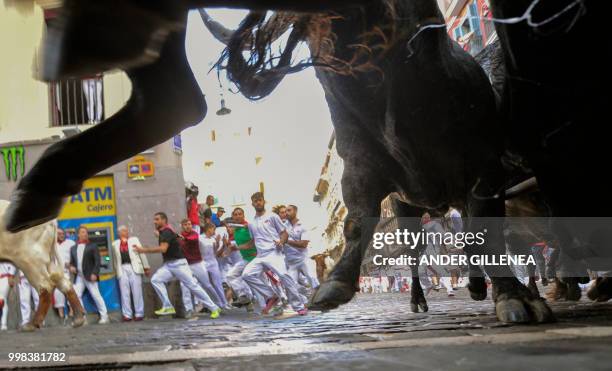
104	321
3	328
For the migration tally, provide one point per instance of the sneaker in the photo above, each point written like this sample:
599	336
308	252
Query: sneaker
302	312
250	308
215	313
189	314
227	307
451	294
165	311
104	321
126	319
269	304
3	328
138	319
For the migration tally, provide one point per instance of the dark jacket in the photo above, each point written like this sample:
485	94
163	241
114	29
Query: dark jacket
91	260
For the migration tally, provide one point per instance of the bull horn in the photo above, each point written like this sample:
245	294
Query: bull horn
219	31
278	23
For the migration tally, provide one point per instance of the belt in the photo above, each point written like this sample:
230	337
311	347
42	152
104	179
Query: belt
6	275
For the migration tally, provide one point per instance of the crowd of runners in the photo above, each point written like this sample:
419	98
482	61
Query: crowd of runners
221	263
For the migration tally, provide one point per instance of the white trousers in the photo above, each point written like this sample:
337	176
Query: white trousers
201	275
59	300
26	294
179	269
130	285
81	284
234	279
216	278
295	268
275	262
4	293
92	89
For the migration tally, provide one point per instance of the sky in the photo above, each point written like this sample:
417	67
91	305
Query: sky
290	132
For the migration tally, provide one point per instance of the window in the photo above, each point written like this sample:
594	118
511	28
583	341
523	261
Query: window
76	101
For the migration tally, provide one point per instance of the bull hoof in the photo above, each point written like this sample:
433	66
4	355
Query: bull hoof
331	294
519	305
29	327
78	321
601	289
419	307
478	288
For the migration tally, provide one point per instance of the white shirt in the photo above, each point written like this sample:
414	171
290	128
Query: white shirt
234	256
80	251
207	249
265	230
295	255
63	252
7	268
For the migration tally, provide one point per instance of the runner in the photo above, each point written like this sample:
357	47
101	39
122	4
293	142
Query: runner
175	265
238	259
269	235
208	248
190	246
296	253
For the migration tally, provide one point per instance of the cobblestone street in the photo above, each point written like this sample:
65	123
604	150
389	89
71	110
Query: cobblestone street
373	329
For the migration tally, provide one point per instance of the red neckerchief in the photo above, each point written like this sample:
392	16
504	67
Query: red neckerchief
123	245
85	242
169	227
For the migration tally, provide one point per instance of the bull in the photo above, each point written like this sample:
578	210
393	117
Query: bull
417	117
33	251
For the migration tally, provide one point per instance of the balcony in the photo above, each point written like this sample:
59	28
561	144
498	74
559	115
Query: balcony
76	101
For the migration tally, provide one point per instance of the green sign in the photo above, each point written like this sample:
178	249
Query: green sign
14	160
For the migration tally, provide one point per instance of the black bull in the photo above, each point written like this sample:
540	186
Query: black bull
424	124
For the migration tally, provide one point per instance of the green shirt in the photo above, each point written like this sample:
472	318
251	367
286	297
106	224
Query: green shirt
242	236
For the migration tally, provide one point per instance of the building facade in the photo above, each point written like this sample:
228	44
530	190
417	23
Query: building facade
35	114
469	22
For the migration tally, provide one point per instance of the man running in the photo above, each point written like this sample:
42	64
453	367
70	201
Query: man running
269	235
190	245
296	249
238	259
175	265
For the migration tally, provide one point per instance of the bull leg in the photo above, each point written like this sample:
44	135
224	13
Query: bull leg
44	303
513	301
417	296
363	191
410	219
65	286
165	100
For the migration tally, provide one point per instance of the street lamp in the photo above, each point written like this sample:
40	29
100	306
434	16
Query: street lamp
223	110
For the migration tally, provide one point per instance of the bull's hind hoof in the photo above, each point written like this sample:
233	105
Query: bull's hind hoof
331	294
601	289
522	309
478	288
78	321
420	306
29	327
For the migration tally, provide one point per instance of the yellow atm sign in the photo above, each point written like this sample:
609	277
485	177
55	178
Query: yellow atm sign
97	198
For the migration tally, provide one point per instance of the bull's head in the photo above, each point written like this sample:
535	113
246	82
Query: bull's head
259	74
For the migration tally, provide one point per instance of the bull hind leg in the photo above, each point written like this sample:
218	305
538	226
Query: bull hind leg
39	278
165	100
409	218
363	191
65	286
514	303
